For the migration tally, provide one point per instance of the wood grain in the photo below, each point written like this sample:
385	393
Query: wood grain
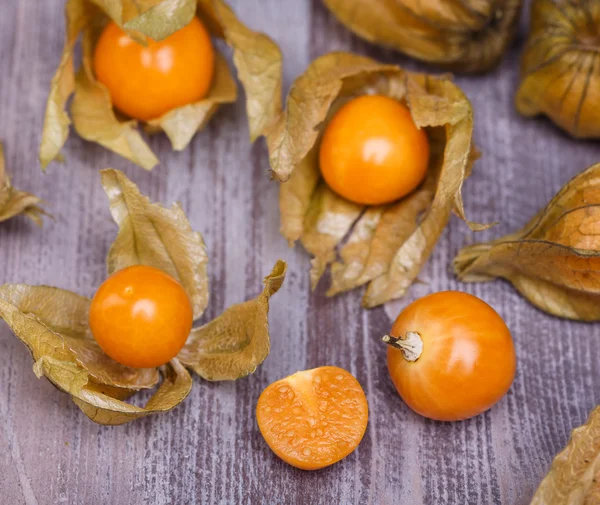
209	450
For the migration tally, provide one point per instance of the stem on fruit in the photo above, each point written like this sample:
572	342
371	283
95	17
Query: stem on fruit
410	344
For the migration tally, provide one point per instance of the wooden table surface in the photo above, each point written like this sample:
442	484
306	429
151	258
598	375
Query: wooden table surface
209	450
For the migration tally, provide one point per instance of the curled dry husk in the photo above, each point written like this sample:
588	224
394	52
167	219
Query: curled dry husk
14	202
463	35
560	67
554	261
53	323
386	245
574	478
256	57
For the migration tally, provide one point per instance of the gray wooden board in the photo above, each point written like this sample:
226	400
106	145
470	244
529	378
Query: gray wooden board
209	450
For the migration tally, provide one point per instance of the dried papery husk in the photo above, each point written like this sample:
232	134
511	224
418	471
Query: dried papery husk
232	345
256	57
387	245
150	234
574	477
554	261
156	19
560	66
466	36
14	202
53	323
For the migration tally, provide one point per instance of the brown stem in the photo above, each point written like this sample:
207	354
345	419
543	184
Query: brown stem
410	344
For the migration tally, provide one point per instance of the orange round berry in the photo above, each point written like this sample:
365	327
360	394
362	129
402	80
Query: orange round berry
147	82
141	317
372	152
451	356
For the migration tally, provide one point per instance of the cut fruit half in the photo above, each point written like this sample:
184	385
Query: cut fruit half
313	418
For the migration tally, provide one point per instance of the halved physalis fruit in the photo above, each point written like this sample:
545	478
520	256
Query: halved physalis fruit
147	81
314	418
141	317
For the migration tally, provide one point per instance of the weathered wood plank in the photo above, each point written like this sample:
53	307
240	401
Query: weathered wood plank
209	450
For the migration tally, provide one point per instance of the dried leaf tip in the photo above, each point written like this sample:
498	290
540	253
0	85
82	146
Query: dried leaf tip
554	261
235	343
156	20
573	476
14	202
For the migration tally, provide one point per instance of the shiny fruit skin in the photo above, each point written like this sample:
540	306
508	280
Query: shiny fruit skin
141	317
313	418
147	82
372	153
468	361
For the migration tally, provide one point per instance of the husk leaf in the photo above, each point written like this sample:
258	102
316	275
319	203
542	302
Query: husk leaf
560	66
235	343
93	115
56	120
256	57
258	62
182	123
102	408
150	234
386	245
14	202
469	36
54	323
156	19
554	261
574	478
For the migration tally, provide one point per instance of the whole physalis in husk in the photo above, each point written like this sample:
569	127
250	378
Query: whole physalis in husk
313	418
372	160
102	351
554	261
450	356
14	202
155	63
574	477
466	36
560	73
